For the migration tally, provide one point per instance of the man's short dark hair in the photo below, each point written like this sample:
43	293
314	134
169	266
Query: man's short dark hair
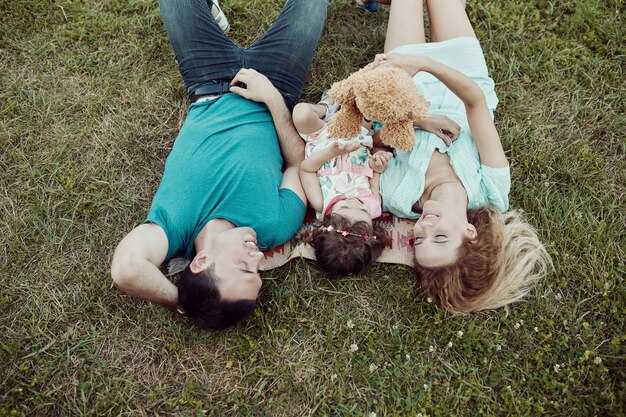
200	298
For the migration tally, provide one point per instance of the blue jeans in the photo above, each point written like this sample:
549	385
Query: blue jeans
283	54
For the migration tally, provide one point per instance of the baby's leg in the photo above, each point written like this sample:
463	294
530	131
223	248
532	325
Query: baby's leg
406	24
448	20
307	117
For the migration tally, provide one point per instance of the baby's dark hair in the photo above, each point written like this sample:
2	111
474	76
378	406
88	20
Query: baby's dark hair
353	252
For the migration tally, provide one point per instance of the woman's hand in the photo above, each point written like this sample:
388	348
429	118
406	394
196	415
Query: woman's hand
257	86
412	64
379	161
442	126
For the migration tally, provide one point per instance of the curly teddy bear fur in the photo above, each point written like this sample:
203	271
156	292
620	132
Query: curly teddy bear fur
384	94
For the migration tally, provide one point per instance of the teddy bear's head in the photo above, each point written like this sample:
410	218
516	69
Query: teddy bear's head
385	94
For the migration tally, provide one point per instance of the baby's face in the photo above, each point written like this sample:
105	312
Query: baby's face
354	210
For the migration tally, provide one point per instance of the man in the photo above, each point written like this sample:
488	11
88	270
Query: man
223	197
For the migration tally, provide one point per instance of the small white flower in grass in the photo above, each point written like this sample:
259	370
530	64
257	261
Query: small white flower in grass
431	348
557	368
408	357
349	324
597	360
517	325
373	367
333	377
498	348
419	415
430	300
546	184
521	322
353	348
450	344
558	296
426	387
459	334
372	414
536	329
394	327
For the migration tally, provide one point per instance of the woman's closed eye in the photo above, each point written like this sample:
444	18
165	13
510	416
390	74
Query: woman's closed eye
417	240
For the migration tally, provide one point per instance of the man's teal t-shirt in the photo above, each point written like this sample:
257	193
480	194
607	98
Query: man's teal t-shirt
225	164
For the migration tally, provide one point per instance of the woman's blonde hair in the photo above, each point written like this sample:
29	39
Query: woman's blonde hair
496	270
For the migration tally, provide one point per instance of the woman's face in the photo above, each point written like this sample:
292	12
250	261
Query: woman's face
438	234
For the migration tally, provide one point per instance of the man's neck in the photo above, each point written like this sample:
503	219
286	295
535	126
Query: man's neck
206	238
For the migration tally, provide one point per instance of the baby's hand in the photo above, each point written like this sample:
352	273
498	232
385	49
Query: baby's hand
341	146
379	161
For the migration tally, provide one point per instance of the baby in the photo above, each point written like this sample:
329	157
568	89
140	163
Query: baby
341	181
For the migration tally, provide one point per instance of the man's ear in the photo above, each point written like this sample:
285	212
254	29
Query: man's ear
200	262
471	233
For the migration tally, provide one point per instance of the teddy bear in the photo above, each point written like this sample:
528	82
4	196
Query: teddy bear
385	94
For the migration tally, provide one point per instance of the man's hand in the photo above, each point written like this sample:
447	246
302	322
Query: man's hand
258	87
379	161
442	126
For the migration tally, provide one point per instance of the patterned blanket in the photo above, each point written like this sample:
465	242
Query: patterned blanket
398	251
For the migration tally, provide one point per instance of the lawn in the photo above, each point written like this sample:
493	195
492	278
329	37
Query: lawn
90	103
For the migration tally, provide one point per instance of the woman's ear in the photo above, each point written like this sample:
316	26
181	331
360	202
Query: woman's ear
471	233
200	262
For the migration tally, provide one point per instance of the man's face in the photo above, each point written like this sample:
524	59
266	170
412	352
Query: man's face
236	260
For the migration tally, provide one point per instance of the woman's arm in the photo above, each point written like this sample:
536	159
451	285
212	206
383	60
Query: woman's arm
478	115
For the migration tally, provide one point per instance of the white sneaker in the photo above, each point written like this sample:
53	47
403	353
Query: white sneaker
220	17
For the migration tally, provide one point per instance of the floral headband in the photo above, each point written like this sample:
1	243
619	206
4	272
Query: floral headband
366	237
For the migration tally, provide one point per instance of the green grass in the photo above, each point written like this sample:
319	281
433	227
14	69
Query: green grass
90	103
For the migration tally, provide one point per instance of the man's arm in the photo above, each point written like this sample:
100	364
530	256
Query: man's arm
291	144
135	266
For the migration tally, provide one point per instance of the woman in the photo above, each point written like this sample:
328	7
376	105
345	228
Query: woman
456	180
